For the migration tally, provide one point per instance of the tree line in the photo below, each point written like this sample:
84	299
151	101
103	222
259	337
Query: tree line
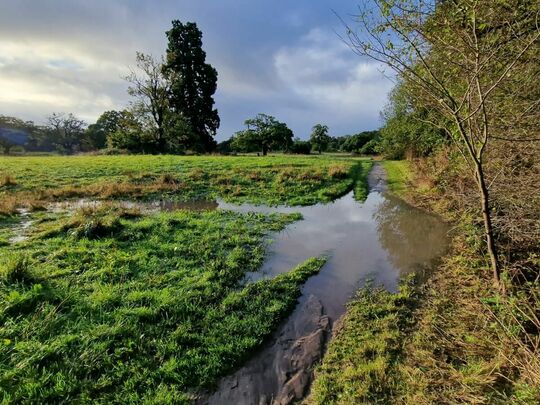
467	96
172	111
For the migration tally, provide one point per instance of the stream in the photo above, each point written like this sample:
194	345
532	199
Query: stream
381	240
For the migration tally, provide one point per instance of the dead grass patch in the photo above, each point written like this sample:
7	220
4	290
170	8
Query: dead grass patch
338	171
8	206
7	181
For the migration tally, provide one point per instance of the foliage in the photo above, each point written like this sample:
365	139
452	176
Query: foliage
355	143
117	316
263	133
192	82
130	134
319	137
405	132
66	132
458	61
370	148
151	91
107	124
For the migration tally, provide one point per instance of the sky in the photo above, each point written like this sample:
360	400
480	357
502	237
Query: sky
278	57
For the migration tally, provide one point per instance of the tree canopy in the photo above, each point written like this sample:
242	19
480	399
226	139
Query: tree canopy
263	133
319	137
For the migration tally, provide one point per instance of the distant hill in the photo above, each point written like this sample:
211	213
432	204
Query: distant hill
15	136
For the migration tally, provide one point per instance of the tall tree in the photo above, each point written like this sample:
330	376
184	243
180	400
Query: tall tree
456	57
150	88
263	133
319	137
193	82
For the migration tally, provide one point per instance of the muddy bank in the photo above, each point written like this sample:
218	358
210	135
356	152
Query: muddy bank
281	372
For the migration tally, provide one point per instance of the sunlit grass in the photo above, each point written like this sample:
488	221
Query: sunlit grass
109	305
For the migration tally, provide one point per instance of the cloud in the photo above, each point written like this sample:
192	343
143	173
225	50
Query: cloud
322	69
280	58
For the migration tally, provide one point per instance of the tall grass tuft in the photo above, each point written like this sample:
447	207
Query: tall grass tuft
16	269
338	171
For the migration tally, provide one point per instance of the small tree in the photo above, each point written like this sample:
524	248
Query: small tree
263	133
151	90
319	137
455	57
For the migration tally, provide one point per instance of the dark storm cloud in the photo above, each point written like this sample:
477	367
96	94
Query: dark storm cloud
281	57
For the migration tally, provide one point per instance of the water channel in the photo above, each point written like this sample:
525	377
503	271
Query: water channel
381	240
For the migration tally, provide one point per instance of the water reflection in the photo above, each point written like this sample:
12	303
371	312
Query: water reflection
412	238
381	239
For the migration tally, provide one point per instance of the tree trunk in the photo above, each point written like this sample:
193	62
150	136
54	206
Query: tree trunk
264	150
161	139
488	227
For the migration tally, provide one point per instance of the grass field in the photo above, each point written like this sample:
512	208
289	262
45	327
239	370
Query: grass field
112	305
272	180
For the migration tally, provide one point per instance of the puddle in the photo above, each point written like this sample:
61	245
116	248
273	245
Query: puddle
381	239
146	207
20	230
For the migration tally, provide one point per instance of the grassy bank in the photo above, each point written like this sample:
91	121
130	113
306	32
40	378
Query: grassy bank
271	180
398	176
360	365
462	343
110	306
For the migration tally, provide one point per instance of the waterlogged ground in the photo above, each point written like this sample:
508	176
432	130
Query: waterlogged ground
381	240
115	286
110	306
31	182
156	300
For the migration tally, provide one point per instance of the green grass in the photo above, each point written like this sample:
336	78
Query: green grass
271	180
361	364
398	174
109	306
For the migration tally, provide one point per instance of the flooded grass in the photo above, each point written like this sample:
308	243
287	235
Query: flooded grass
113	306
120	281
